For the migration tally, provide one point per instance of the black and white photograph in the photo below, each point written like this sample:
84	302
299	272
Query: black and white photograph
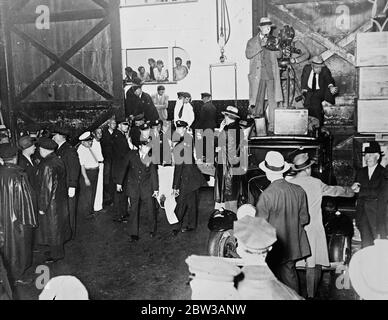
205	153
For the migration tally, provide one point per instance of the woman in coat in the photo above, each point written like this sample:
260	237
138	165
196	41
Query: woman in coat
315	190
227	175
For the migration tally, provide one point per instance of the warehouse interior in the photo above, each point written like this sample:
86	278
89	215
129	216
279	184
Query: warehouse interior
64	66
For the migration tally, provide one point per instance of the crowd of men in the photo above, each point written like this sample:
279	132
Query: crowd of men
47	184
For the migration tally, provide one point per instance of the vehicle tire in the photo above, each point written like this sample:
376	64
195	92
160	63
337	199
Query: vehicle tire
340	248
222	244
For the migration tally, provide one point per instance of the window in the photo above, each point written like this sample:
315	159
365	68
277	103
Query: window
162	64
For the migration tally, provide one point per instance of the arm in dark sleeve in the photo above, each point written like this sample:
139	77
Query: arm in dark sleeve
177	176
329	77
154	178
122	170
305	77
48	186
72	168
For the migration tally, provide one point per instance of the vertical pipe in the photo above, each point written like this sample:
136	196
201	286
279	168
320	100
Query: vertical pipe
6	33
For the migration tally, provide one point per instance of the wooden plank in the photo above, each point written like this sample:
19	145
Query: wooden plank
102	3
116	59
61	16
371	49
373	83
289	18
259	9
367	26
368	121
66	56
77	104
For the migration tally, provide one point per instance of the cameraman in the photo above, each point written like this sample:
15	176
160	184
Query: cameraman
264	74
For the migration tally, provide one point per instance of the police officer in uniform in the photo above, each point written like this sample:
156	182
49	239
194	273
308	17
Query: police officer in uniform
69	156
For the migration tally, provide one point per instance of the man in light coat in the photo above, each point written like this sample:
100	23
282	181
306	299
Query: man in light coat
315	190
264	74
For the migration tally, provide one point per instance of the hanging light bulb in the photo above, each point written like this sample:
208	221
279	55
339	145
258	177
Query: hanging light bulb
223	27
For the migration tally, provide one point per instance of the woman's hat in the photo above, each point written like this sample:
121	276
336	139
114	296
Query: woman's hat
231	112
374	147
274	163
302	161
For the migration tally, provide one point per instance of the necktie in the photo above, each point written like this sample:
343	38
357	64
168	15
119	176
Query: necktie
181	112
314	86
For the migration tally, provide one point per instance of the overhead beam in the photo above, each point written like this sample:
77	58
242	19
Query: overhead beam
64	16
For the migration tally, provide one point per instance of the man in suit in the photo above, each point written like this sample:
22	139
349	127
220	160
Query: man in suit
264	74
369	183
317	86
107	153
120	151
139	177
146	105
187	180
284	206
69	156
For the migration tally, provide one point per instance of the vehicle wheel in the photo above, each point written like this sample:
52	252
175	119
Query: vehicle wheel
222	244
340	248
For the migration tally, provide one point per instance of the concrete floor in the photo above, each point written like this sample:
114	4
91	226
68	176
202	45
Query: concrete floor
152	269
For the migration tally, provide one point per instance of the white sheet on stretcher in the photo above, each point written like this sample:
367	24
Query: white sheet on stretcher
166	176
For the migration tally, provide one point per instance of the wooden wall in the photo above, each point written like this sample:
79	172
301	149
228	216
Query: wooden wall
70	69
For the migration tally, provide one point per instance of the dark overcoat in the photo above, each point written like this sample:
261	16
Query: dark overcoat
368	200
69	155
17	218
284	206
54	224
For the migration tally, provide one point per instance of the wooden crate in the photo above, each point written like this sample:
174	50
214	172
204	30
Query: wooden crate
372	49
373	82
372	116
291	122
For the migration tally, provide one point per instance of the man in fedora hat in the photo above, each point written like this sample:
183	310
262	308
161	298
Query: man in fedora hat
69	156
369	183
264	74
227	178
318	86
284	206
315	190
